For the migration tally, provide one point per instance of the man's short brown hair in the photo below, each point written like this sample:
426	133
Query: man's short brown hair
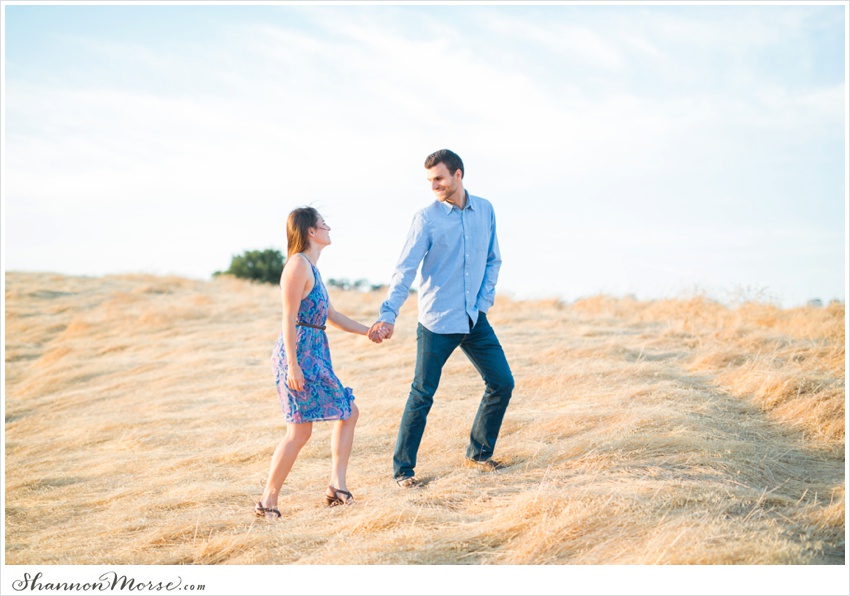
450	158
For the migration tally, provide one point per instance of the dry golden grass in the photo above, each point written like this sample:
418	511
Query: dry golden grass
141	416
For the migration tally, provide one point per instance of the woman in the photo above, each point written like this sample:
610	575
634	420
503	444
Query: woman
308	389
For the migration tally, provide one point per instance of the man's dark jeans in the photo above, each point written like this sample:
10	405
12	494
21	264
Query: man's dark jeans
482	348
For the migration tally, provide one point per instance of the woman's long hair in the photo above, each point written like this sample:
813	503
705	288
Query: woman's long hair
298	225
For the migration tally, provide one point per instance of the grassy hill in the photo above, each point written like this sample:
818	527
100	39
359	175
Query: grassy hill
141	416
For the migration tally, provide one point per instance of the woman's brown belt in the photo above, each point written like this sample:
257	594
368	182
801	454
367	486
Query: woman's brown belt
299	323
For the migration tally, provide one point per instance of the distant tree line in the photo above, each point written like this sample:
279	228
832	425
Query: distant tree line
257	265
361	285
265	266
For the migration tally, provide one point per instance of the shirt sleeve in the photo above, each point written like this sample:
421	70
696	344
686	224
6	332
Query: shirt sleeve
415	248
487	293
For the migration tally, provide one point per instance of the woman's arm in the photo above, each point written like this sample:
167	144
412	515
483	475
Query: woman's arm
294	280
340	321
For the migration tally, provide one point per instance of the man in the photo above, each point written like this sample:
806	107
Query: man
454	239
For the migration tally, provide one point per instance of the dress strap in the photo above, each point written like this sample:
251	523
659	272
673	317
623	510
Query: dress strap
308	260
313	268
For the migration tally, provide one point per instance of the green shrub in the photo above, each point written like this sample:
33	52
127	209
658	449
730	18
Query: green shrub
259	265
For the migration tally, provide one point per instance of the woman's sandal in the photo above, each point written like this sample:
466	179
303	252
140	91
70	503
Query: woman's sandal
261	511
333	501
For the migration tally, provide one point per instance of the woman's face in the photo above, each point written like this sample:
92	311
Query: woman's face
320	233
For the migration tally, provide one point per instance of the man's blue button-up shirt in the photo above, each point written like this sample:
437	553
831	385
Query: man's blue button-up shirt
460	259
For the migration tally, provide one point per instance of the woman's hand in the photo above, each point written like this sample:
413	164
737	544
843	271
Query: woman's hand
380	331
295	377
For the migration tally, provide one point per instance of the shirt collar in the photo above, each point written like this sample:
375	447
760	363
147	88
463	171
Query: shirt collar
447	207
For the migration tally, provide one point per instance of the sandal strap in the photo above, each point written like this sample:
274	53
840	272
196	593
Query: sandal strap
339	490
336	491
260	509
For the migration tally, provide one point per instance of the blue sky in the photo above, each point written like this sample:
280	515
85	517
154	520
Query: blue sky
653	150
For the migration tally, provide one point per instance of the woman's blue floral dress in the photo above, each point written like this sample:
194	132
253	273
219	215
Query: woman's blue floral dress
323	396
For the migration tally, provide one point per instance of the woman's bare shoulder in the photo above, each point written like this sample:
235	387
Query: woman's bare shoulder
296	269
297	262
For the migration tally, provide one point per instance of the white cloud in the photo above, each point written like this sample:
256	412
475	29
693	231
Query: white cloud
595	50
341	114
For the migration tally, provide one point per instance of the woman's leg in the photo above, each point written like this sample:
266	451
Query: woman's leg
284	457
342	439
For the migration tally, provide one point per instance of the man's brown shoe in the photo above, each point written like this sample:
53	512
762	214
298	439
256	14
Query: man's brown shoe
488	465
407	482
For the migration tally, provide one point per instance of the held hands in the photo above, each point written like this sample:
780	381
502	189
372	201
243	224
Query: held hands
380	331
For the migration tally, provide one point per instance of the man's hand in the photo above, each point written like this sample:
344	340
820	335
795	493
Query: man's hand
381	331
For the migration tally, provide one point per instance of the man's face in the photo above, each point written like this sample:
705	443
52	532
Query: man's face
445	186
